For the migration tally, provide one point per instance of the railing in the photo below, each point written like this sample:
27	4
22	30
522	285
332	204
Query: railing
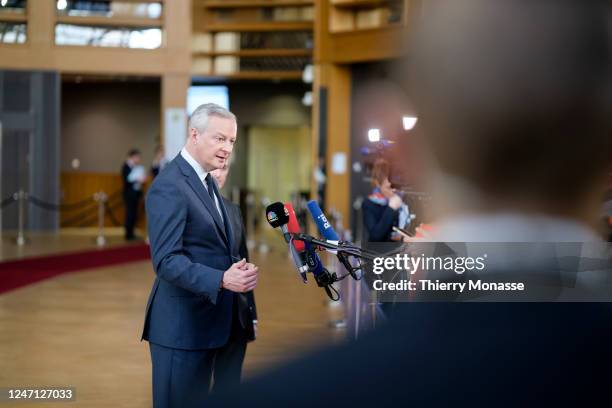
98	205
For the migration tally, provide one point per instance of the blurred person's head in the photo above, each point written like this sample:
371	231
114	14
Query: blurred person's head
134	156
220	175
380	173
212	134
513	99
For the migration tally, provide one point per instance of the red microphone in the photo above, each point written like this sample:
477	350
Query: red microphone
294	227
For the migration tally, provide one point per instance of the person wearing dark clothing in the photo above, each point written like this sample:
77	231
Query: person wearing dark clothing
159	161
247	308
133	176
192	318
383	208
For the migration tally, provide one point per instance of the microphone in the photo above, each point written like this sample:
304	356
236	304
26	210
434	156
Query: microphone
294	227
278	217
323	224
330	235
315	265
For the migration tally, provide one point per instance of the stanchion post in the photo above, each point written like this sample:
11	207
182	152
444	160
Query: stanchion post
101	198
21	197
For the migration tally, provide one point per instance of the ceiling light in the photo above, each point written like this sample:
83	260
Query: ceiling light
409	122
374	135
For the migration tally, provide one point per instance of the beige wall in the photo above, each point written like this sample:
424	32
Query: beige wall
263	104
279	161
102	121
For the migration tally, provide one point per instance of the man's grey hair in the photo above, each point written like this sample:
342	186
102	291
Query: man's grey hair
199	117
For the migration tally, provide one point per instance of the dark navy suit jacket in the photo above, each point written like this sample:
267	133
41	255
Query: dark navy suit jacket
247	311
190	249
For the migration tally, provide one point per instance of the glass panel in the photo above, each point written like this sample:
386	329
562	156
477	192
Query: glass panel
146	38
13	33
199	94
13	6
109	8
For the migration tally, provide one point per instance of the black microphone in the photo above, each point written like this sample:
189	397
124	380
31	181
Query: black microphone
278	217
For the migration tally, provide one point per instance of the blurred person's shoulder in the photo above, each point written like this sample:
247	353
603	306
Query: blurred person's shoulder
167	178
513	227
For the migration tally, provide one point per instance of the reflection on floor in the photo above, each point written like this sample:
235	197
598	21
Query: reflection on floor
82	329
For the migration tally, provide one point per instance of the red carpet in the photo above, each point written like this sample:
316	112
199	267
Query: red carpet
17	273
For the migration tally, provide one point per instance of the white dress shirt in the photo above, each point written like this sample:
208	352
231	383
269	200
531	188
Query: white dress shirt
201	175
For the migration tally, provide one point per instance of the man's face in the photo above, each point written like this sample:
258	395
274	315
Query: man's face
135	159
214	146
220	175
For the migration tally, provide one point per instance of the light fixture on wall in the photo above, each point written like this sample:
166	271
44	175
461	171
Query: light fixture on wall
409	122
3	3
308	74
307	98
374	135
62	4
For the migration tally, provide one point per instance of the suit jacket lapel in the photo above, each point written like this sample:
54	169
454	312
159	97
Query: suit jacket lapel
198	187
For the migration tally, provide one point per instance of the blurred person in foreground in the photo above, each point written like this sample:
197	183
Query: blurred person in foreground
134	176
513	97
192	320
246	301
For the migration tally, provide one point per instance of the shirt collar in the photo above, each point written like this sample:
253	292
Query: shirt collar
193	163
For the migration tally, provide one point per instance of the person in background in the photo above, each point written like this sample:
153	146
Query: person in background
246	301
159	161
384	208
133	175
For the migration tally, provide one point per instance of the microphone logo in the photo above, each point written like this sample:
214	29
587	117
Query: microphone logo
326	223
272	217
311	261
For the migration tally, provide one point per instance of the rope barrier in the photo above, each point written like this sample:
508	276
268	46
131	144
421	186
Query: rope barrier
85	203
61	207
111	216
8	200
89	216
88	207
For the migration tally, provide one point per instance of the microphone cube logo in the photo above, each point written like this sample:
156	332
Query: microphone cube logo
272	217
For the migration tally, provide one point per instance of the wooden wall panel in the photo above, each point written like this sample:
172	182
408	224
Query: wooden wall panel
77	186
337	80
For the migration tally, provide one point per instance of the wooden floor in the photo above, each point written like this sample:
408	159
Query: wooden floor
82	329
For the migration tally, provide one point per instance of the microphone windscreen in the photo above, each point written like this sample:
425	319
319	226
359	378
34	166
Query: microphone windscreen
323	224
276	215
294	227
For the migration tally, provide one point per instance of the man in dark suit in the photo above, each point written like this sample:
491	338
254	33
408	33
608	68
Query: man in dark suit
192	320
248	310
133	176
514	104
